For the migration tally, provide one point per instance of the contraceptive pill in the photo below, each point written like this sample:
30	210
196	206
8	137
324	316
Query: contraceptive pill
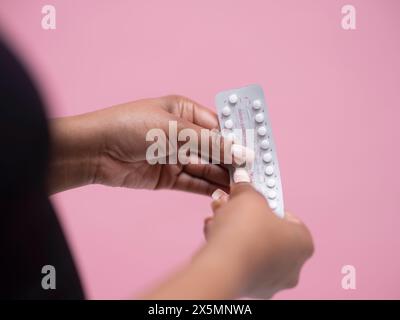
229	124
256	104
271	183
269	170
233	98
271	194
226	111
267	157
242	154
259	117
248	119
262	131
264	144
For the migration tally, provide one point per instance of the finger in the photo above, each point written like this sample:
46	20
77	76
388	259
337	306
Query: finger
290	217
242	155
241	175
219	194
241	188
208	144
216	204
207	226
210	172
193	111
188	183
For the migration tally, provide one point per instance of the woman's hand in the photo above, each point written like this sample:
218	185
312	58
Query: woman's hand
109	147
268	252
249	252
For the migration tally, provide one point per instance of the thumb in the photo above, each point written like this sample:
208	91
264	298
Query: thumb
241	183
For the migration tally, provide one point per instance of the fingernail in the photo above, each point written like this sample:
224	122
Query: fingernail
217	194
241	175
241	154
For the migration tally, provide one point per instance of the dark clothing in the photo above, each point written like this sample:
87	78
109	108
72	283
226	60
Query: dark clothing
30	234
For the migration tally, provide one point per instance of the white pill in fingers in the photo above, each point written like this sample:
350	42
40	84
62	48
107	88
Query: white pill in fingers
262	131
226	111
257	104
259	117
228	124
241	175
233	98
242	154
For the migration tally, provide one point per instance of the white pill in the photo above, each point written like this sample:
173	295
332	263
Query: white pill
229	124
273	204
272	194
226	111
271	183
269	170
259	117
262	131
233	98
267	157
264	144
256	104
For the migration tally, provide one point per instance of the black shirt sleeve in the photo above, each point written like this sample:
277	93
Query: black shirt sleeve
30	233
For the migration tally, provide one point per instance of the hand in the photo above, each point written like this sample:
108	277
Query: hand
267	251
109	147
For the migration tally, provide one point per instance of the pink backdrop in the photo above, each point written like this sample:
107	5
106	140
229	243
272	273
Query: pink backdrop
334	99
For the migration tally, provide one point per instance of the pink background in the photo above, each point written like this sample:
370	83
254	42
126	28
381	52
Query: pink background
334	98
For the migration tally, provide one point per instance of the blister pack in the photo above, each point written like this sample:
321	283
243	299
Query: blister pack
243	117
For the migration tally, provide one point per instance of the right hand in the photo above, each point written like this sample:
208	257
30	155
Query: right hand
246	234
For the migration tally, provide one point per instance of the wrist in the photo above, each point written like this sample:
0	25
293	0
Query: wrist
74	154
226	271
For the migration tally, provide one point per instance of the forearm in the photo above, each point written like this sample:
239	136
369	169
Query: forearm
207	276
74	148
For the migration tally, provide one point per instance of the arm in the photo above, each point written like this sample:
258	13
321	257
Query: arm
249	251
109	147
74	154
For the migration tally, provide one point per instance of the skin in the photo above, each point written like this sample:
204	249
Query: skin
264	253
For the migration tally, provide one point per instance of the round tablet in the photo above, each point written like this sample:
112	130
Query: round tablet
272	194
259	117
269	170
267	157
226	111
271	183
273	204
233	98
257	104
264	144
229	124
262	131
